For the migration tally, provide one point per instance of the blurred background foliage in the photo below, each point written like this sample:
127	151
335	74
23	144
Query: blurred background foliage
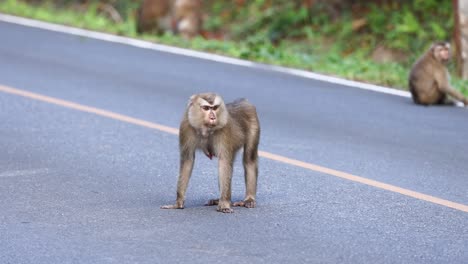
356	26
367	40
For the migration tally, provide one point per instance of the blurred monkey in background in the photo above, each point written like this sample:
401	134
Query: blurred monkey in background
429	80
182	17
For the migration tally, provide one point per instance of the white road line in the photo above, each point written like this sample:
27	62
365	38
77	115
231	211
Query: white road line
17	173
195	54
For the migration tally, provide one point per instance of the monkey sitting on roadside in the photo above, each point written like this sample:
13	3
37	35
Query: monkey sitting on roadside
429	78
182	17
219	130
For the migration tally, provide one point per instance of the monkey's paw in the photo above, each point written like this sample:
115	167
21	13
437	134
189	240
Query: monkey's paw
225	210
212	202
172	206
247	203
221	208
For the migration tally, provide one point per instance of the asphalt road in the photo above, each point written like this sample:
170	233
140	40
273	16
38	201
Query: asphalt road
81	188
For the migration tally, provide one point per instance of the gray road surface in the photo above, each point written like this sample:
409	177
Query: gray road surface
80	188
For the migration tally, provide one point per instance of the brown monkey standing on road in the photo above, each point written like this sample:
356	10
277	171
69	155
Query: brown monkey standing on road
429	78
219	130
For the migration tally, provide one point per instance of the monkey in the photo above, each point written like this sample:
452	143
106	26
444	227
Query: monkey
188	17
154	14
182	17
219	130
429	79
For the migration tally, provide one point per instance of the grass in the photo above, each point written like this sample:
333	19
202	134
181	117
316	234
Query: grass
321	56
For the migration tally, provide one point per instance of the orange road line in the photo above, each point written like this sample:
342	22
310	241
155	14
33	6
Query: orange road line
89	109
264	154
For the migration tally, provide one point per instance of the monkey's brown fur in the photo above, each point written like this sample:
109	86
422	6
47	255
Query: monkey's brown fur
429	78
150	15
219	130
182	17
188	17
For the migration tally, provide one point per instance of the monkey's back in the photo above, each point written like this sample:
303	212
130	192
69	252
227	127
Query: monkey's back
244	114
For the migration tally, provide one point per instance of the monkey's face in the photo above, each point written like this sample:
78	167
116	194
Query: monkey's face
207	110
210	114
442	52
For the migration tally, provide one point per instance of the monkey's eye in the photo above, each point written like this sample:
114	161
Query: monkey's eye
205	107
215	107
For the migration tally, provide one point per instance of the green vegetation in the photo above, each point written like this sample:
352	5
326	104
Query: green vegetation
50	13
338	41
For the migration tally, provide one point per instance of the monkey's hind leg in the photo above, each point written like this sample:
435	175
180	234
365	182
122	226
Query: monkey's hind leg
251	173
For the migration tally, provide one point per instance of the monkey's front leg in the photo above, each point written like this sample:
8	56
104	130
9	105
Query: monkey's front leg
186	166
225	176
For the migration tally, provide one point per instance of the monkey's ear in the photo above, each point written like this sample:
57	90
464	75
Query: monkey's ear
191	100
